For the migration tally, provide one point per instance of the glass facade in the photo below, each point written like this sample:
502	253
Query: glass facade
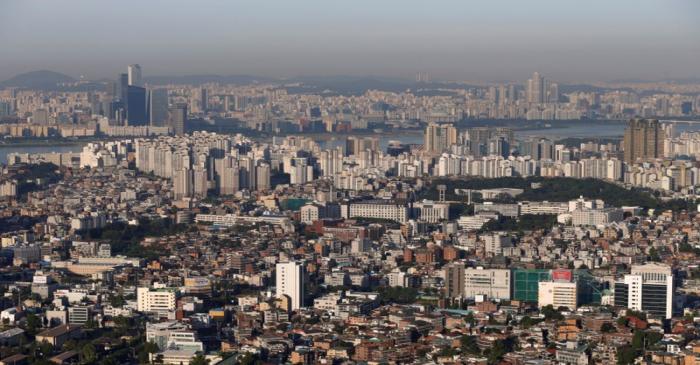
526	283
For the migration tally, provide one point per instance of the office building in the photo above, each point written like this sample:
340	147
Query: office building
158	107
136	106
596	217
643	140
492	283
177	116
432	212
173	335
78	315
123	88
382	209
200	100
134	75
290	283
557	294
526	283
439	137
161	301
647	288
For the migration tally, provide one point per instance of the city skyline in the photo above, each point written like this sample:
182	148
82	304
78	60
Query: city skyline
503	41
391	182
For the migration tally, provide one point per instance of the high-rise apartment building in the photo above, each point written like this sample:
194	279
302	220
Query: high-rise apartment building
262	178
535	89
439	137
183	182
354	145
290	282
644	139
454	280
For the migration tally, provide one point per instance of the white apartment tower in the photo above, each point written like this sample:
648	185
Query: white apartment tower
290	282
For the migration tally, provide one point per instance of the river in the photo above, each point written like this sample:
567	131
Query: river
574	130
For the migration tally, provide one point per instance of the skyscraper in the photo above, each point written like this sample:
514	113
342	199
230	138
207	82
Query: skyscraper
553	93
123	88
199	101
158	107
290	282
134	75
535	88
644	139
439	137
177	116
136	106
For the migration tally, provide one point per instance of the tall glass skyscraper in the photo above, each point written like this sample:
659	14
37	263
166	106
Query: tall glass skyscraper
136	106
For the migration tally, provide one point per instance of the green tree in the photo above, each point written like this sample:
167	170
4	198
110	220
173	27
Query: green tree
654	255
46	349
551	314
199	360
33	323
398	295
109	360
607	327
117	301
147	349
247	359
88	353
626	355
468	345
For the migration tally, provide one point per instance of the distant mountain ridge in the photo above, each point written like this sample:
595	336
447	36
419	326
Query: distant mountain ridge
203	79
42	79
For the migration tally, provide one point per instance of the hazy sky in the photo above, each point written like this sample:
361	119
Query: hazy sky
458	40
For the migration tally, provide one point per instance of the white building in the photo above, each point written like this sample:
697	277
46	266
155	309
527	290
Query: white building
495	242
382	209
161	301
290	282
494	283
557	294
432	212
647	288
309	213
596	217
173	335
